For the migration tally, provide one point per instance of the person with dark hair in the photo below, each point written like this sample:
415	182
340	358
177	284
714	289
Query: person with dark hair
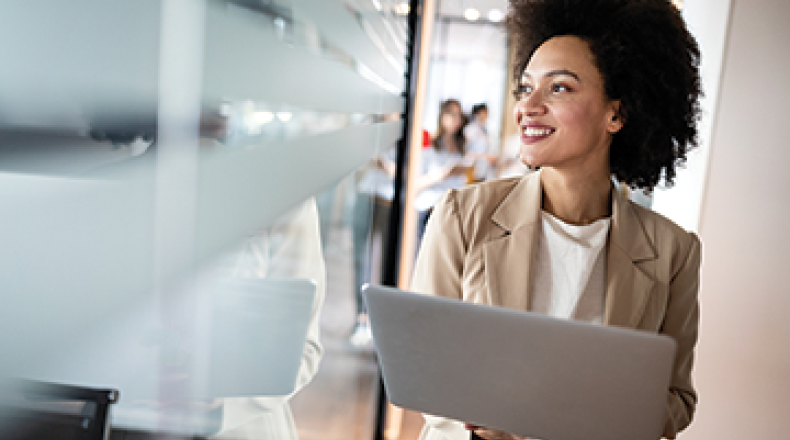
477	109
443	166
605	88
479	144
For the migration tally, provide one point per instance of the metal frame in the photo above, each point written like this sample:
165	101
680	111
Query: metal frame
391	263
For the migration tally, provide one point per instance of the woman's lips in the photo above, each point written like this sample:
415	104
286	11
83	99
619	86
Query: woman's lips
535	133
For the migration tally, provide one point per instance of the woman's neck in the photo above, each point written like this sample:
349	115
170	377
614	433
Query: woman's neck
574	199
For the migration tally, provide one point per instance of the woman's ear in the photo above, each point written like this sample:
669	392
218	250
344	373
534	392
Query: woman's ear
617	119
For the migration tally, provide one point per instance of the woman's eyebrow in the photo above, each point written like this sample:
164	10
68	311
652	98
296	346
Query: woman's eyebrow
552	73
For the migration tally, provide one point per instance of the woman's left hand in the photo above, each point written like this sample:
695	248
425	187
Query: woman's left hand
492	434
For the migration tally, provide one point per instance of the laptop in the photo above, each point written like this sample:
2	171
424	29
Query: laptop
258	332
256	335
520	372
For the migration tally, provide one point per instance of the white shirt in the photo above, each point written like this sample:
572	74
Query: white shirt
432	160
477	142
570	270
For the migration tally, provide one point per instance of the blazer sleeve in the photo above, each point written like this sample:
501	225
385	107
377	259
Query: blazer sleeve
681	323
439	267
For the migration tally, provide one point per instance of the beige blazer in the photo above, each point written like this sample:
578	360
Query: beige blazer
479	246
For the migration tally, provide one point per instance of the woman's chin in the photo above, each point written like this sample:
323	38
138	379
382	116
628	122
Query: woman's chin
531	163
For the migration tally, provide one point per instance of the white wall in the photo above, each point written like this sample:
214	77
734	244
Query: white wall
708	21
743	365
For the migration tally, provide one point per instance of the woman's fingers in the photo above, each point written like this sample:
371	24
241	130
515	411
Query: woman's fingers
492	434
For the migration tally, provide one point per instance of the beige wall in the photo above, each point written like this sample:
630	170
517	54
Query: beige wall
743	367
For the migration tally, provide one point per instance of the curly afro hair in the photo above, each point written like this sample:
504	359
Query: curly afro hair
649	62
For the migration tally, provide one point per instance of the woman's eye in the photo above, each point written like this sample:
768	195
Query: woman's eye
560	88
522	92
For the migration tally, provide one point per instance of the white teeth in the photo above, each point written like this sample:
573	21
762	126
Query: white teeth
534	131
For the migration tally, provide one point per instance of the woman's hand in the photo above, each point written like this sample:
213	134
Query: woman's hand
492	434
459	170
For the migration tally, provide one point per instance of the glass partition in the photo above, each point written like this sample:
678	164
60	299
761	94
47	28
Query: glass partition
192	193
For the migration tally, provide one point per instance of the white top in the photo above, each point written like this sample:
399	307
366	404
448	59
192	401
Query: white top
570	270
432	160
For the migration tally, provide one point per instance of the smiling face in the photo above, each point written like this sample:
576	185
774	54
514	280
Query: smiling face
566	119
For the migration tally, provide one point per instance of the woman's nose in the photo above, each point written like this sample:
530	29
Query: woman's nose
534	102
531	105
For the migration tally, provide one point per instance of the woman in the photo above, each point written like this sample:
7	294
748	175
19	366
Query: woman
606	88
442	166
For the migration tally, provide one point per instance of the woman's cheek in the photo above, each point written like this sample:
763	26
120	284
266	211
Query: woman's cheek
573	115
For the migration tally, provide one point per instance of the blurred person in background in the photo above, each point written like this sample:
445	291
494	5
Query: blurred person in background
478	144
288	249
443	166
375	190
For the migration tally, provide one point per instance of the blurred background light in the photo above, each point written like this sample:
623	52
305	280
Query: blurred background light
471	14
495	15
402	8
262	118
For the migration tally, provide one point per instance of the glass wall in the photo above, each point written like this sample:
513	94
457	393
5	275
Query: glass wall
192	192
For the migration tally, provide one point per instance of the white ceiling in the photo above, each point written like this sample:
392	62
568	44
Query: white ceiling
457	7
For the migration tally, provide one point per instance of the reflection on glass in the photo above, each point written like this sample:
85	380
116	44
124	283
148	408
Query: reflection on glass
267	298
189	272
373	198
264	122
354	218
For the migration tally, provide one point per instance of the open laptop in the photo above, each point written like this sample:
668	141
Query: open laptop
520	372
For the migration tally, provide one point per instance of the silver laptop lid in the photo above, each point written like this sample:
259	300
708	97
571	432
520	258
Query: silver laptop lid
520	372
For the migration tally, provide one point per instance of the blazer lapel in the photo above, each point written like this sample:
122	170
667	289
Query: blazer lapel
629	259
509	255
510	252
